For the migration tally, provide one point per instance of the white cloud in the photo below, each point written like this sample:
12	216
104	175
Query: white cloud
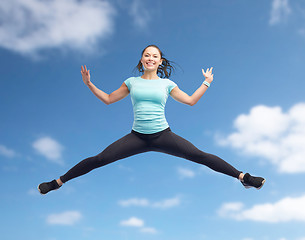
65	218
279	11
186	173
143	202
4	151
149	230
270	133
138	223
133	222
167	203
49	148
139	13
285	210
28	26
134	202
229	208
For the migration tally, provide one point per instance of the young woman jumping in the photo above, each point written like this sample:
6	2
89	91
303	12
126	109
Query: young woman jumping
150	131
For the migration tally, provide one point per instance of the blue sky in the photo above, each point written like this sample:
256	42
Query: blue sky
253	116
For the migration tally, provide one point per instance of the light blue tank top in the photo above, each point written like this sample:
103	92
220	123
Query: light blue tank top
148	99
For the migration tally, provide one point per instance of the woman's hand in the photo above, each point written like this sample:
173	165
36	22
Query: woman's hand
104	97
86	75
208	75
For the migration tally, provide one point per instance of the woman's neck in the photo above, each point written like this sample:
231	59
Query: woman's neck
150	75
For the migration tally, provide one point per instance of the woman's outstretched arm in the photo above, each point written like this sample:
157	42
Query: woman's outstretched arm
183	97
113	97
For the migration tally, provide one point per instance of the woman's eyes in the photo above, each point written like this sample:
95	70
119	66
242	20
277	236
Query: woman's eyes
153	56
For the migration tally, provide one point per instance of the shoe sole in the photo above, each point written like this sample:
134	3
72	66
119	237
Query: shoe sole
46	192
263	182
40	190
248	186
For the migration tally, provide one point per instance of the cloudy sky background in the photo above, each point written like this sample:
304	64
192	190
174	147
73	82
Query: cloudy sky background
253	116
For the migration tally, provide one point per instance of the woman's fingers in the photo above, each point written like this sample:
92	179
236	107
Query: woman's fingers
208	70
84	70
208	74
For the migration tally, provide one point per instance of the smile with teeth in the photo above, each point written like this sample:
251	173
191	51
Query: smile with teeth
150	64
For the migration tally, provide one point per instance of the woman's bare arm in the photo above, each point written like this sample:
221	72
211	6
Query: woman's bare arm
113	97
183	97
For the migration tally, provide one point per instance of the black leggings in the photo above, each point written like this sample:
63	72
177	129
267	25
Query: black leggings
165	141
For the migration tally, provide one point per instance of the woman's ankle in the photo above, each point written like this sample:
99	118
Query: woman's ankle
59	182
241	176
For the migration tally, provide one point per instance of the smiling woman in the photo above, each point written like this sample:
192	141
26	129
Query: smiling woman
150	130
150	59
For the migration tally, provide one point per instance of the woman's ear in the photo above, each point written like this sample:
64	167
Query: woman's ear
141	61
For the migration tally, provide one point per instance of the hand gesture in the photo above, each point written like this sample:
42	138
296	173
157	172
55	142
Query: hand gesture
208	75
86	75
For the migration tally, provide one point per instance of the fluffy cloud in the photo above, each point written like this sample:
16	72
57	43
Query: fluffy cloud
138	223
185	173
65	218
4	151
139	13
270	133
143	202
149	230
133	222
49	148
28	26
286	210
279	11
167	203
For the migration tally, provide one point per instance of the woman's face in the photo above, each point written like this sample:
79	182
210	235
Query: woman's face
151	59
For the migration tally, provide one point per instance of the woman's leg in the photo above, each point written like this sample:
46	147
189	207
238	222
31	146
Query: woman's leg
126	146
171	143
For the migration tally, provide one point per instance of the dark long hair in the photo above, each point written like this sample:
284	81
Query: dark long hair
164	70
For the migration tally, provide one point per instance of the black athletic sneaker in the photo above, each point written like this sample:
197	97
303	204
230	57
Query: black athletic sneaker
46	187
251	181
